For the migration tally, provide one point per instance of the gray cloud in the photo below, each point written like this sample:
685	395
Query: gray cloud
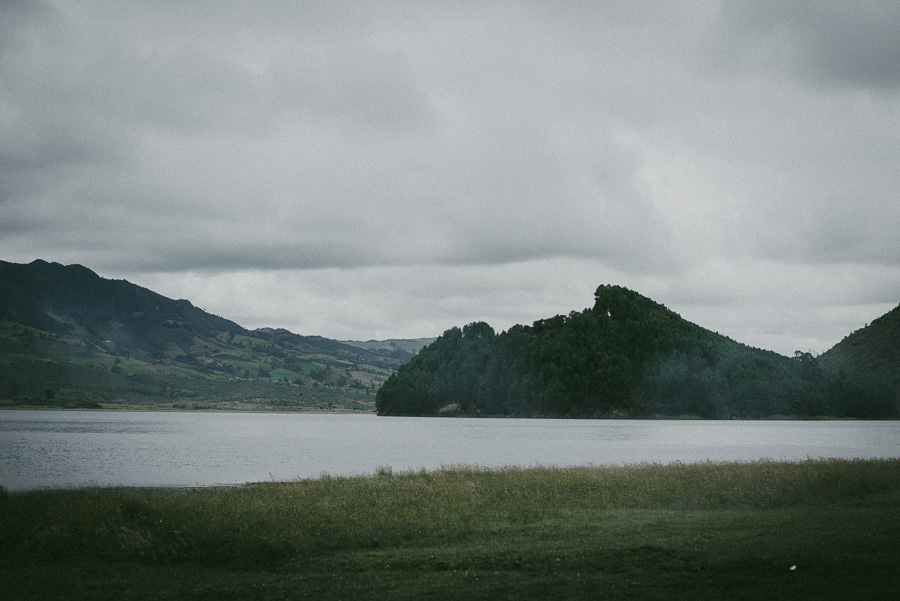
378	169
823	43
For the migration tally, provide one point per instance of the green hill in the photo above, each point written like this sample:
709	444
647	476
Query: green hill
625	356
71	338
873	351
870	356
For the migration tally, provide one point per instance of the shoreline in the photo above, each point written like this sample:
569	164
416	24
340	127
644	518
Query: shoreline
820	418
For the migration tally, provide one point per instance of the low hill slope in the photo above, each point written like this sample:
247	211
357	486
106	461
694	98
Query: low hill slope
71	338
627	355
871	354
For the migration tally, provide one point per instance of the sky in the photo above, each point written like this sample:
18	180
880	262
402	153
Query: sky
371	170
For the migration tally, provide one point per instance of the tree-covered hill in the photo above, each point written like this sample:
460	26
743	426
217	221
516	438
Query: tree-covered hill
71	338
870	354
627	355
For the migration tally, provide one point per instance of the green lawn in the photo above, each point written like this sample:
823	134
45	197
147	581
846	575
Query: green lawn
764	530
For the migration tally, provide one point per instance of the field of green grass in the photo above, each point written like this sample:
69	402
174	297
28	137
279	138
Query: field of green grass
823	529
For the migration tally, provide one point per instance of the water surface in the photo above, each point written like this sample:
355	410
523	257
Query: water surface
77	448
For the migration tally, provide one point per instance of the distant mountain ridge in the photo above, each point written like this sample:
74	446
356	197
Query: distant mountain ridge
109	335
402	349
63	299
69	338
630	356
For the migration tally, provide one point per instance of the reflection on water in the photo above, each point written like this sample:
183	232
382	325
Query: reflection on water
39	449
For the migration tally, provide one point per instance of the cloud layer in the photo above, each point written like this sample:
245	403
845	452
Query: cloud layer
363	170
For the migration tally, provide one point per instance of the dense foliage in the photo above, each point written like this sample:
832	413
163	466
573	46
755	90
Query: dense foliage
627	355
872	352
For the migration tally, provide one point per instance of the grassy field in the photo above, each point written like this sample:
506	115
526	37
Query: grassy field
80	387
827	529
225	372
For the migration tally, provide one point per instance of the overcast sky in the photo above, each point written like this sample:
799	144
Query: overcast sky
364	170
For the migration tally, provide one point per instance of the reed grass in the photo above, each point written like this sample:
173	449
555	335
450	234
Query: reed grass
642	531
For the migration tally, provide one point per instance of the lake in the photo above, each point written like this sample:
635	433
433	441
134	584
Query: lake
78	448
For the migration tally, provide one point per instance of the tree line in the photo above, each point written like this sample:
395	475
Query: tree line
625	356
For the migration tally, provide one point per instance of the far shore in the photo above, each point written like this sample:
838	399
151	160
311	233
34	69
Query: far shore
339	411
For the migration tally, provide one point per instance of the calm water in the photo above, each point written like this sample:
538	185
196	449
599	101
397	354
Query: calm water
73	448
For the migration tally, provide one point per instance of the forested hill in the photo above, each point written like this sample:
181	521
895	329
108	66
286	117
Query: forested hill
872	352
625	356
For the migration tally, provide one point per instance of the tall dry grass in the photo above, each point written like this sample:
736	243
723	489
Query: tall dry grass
272	522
